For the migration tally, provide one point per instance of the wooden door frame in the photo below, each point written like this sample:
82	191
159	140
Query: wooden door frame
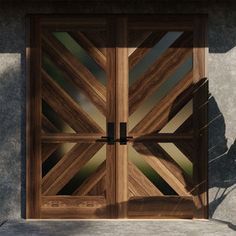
195	22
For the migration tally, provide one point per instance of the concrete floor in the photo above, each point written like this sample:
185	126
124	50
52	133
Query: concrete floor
73	228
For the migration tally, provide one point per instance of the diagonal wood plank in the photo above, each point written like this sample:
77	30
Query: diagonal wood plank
99	39
159	115
186	147
162	170
72	137
139	184
186	127
66	107
135	38
77	72
160	71
181	116
67	167
91	181
99	189
145	47
49	148
90	48
170	163
47	125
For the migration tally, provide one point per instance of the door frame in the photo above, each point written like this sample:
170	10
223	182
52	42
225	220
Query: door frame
197	22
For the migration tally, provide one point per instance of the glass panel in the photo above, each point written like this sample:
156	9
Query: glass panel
81	55
87	170
166	87
58	76
137	159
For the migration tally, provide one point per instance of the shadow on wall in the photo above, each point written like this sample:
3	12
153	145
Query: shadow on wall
222	161
11	136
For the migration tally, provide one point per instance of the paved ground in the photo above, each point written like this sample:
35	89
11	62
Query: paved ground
114	228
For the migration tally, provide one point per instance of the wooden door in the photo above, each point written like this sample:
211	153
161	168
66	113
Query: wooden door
71	168
165	119
117	117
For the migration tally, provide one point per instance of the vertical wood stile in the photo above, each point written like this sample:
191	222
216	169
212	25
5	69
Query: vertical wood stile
33	128
121	115
200	97
111	116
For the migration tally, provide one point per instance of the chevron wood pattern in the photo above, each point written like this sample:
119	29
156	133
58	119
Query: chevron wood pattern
150	67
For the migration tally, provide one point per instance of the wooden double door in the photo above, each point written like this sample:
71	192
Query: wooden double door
117	113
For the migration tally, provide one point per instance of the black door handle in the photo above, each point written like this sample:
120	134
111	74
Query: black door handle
110	138
123	133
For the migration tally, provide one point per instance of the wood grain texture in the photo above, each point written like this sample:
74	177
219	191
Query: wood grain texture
121	115
66	107
139	184
110	179
72	201
160	71
90	48
157	164
47	125
200	48
99	189
100	38
77	72
68	166
200	99
106	191
159	115
33	127
73	207
161	207
170	164
161	137
47	150
201	152
91	181
146	46
72	138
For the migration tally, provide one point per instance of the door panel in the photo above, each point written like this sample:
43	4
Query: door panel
75	168
161	109
162	98
117	117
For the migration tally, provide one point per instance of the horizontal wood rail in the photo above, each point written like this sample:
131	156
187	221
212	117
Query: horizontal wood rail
62	137
165	137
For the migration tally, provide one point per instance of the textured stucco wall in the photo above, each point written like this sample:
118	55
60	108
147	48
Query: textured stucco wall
222	112
222	109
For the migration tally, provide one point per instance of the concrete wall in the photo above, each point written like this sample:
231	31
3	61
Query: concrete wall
222	109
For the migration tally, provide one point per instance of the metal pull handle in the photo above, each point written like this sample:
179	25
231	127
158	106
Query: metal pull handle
123	133
110	138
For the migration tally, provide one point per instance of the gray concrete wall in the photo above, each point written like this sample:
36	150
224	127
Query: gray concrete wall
222	109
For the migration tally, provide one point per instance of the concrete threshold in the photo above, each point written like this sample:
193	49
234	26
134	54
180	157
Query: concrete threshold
116	228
